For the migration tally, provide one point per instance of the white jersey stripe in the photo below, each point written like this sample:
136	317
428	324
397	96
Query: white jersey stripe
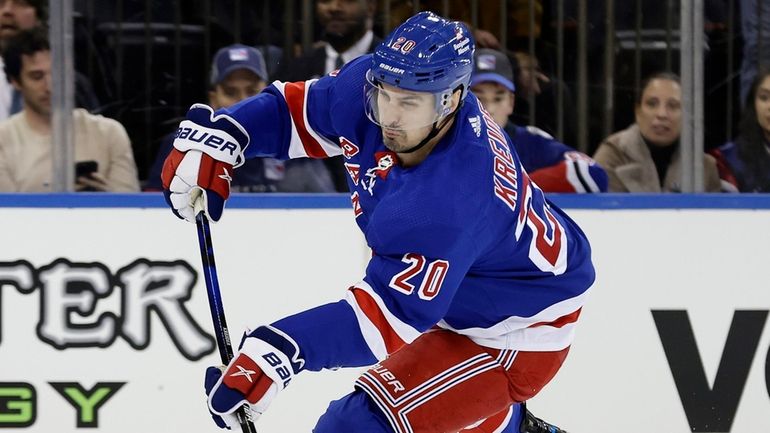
572	177
331	148
372	335
398	408
489	365
506	357
516	332
296	149
583	167
443	376
384	400
384	408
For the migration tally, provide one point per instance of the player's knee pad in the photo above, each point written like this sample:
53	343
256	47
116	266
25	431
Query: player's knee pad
353	413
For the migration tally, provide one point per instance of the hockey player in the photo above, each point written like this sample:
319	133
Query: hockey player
553	165
469	303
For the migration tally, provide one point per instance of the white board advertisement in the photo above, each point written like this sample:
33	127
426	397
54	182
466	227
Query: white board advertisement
105	325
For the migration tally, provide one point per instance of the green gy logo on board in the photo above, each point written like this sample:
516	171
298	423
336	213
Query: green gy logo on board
87	402
18	402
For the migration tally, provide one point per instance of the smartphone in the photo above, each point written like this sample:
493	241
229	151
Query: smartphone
85	168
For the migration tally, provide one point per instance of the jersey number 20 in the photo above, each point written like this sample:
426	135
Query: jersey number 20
431	282
548	247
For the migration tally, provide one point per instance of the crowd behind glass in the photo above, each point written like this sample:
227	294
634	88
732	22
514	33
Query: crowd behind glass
136	75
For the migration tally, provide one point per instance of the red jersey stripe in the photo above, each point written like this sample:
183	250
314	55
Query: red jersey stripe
368	305
295	100
561	321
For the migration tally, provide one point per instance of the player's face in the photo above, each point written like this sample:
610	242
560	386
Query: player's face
762	105
405	117
237	86
16	15
659	115
35	82
496	99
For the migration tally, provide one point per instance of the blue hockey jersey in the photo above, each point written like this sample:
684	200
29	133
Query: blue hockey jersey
463	241
553	165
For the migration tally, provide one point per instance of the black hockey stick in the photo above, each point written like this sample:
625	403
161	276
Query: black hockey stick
217	310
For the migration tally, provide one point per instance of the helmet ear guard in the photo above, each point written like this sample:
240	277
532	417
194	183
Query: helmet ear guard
444	100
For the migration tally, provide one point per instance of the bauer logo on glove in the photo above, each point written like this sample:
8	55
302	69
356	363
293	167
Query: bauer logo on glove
265	364
189	133
199	168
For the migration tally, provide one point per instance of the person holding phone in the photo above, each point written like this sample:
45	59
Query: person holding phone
103	155
87	177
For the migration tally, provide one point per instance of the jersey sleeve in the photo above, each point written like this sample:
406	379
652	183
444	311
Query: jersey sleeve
295	120
415	270
575	172
556	167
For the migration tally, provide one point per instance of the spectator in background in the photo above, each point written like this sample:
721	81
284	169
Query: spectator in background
18	15
755	27
529	75
15	15
646	157
25	137
531	82
347	34
486	35
237	72
748	157
530	78
554	166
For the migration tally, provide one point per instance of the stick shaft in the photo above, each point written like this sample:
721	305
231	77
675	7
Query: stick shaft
221	331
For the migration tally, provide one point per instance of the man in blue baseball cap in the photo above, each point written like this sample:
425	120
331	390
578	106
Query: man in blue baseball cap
471	296
492	83
553	165
237	72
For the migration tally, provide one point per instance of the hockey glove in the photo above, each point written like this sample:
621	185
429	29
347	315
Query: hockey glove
200	166
266	362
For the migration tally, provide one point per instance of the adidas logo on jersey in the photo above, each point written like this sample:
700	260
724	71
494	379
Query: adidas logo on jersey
476	125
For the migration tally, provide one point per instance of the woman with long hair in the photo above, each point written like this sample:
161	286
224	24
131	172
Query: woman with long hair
749	155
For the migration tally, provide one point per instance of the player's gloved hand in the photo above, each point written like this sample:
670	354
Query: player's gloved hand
200	166
266	362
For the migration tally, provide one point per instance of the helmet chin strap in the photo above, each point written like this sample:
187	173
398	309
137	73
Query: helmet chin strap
433	132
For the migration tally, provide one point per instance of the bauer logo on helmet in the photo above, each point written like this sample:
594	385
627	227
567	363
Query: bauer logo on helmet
392	69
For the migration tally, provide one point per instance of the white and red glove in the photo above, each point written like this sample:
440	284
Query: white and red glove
266	362
200	166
